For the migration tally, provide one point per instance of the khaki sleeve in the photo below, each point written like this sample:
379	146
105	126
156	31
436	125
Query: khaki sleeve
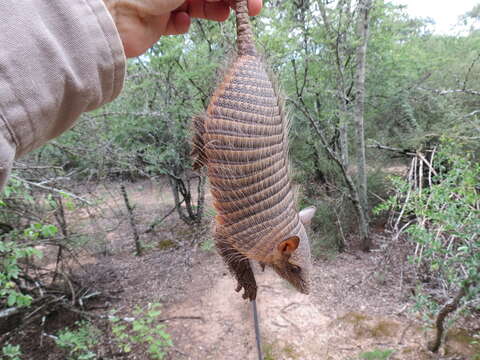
58	59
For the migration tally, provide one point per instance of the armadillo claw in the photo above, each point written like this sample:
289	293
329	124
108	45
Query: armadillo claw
246	280
250	291
240	267
262	266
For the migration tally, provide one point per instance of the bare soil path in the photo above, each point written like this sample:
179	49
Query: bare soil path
356	305
211	321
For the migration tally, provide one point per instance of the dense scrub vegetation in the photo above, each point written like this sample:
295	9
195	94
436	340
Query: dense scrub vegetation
421	121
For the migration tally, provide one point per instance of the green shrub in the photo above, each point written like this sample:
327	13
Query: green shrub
142	330
207	245
446	230
377	354
11	352
80	342
10	254
378	187
326	232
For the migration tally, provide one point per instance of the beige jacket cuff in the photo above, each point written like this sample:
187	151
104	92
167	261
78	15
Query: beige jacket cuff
59	59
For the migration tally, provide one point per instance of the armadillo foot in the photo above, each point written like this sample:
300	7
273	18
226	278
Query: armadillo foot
240	267
246	280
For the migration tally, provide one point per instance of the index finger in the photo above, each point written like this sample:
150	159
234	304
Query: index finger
213	10
217	10
254	6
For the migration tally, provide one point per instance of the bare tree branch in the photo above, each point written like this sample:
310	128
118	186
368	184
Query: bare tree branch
451	91
49	188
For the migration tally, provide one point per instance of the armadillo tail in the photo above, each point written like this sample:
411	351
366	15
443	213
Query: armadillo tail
245	44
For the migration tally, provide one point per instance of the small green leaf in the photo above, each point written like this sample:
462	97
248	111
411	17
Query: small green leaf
12	299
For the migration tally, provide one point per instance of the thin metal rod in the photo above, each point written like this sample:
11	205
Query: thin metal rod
257	329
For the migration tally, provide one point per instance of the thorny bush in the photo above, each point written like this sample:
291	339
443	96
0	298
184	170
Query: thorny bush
443	222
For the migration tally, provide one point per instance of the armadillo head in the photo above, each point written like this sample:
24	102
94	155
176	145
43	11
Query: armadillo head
292	259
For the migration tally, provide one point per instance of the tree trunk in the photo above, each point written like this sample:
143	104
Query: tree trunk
136	238
343	128
191	214
338	44
448	308
362	33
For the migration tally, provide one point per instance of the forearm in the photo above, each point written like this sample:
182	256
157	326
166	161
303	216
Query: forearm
59	58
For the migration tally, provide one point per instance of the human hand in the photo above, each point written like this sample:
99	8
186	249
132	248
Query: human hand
140	23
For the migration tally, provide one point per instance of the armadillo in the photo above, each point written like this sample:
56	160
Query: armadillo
243	141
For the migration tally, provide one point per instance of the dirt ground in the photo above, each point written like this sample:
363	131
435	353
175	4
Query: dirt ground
357	305
345	316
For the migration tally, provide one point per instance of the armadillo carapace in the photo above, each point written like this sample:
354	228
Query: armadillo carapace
242	140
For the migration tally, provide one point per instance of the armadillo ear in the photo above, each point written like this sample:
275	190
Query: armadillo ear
288	246
306	215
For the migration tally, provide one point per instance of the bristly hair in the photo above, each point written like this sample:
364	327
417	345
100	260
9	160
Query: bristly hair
197	143
250	216
243	141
